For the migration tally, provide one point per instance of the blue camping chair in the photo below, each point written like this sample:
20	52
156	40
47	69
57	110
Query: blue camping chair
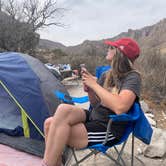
101	69
138	126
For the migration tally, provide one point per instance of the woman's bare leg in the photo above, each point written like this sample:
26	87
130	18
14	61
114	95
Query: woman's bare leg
60	129
78	136
47	124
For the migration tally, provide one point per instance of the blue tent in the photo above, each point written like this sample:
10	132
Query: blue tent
26	95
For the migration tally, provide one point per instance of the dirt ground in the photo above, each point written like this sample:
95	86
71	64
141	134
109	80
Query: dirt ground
159	112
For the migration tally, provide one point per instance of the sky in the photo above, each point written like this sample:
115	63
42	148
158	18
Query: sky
101	19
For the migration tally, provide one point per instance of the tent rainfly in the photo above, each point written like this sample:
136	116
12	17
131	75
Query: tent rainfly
26	95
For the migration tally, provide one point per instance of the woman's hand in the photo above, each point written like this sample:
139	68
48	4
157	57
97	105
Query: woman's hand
88	79
86	88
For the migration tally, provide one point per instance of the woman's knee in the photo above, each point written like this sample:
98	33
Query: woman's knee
63	110
64	106
47	123
70	114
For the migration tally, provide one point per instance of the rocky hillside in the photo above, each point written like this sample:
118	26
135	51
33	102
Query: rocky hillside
149	37
153	36
47	44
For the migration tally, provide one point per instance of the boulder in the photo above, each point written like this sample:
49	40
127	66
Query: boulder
145	106
157	148
151	120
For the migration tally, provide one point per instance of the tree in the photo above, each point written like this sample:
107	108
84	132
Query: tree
20	20
38	14
16	36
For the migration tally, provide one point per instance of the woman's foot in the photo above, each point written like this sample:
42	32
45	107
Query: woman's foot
43	163
59	163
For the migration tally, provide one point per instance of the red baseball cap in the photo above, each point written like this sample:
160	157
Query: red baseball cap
127	46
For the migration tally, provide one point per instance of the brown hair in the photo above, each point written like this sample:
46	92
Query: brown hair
121	66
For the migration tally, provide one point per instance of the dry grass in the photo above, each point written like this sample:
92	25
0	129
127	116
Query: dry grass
153	66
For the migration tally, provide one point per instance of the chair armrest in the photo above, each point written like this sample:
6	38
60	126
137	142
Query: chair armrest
132	115
80	100
121	117
69	99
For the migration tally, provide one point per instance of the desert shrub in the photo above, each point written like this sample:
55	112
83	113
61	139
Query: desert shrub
75	60
152	66
59	53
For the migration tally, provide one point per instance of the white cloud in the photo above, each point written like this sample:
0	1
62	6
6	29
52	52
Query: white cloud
96	19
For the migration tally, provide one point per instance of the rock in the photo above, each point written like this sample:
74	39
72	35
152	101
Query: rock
150	115
145	106
163	163
139	151
157	148
151	121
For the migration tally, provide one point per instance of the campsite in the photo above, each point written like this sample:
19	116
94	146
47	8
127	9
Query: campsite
22	100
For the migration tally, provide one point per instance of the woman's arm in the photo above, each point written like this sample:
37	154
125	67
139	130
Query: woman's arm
92	95
119	103
93	98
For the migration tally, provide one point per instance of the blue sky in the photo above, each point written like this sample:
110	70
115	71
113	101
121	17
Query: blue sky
100	19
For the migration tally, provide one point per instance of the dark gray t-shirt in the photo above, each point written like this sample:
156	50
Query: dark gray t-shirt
131	81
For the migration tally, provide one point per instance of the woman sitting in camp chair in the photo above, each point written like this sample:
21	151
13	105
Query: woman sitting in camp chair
114	93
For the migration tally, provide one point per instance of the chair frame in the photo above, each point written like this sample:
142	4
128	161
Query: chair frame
121	117
119	161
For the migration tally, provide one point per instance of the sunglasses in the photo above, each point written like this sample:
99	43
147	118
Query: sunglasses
111	47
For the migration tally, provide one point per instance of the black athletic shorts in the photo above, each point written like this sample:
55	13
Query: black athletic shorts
97	132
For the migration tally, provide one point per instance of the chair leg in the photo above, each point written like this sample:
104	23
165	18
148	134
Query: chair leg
84	158
75	157
110	157
121	151
117	161
132	151
120	154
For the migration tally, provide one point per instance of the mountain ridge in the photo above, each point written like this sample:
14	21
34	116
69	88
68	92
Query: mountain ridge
48	44
147	37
